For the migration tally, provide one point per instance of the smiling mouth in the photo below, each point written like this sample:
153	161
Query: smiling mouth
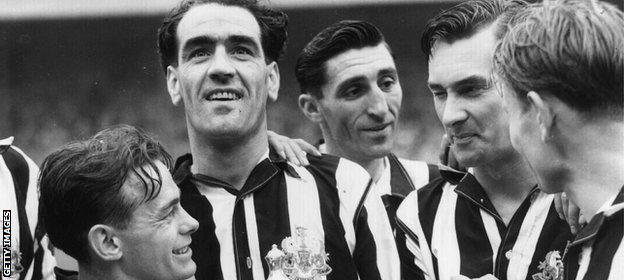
462	138
182	250
377	128
223	96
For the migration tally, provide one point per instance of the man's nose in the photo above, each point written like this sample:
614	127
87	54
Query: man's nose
221	69
454	111
377	104
188	225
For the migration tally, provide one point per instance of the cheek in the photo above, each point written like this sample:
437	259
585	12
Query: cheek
395	103
439	108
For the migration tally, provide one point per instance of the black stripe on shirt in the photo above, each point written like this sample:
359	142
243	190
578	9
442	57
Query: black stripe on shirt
324	172
605	245
474	247
273	220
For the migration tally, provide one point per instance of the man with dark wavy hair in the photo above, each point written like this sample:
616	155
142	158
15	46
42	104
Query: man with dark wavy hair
350	87
220	59
561	67
110	202
493	219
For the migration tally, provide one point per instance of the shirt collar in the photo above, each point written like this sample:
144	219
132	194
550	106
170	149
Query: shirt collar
182	169
590	231
5	144
468	186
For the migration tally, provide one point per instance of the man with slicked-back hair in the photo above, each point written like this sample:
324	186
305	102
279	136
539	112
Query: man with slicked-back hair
220	59
491	220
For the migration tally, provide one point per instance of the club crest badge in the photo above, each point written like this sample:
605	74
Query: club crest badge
302	257
551	267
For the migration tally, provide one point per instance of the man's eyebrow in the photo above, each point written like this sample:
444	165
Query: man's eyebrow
471	81
468	81
196	41
242	39
434	87
347	83
170	204
388	72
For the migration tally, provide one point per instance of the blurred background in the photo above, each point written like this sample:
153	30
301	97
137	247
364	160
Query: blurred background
69	68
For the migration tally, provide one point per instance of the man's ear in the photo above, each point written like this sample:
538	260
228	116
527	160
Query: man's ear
309	105
173	85
273	81
544	114
104	242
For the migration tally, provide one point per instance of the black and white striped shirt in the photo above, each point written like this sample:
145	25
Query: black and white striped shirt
18	194
447	229
398	178
238	228
597	252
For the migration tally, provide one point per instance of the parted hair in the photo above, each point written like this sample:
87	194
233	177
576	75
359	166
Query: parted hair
273	33
466	19
336	39
572	50
85	183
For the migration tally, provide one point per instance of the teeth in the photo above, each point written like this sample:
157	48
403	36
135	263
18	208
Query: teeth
223	96
181	250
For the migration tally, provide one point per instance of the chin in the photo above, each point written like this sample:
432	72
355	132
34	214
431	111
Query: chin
468	159
377	151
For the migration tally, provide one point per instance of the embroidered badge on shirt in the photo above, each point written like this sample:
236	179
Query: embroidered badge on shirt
551	268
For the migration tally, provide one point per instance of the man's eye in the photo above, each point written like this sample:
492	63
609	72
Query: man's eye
240	51
172	212
387	84
439	94
473	90
199	53
352	92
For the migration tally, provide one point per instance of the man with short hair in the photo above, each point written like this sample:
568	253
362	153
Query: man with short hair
111	203
350	87
220	59
492	219
565	100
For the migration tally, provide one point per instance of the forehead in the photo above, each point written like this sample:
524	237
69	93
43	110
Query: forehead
217	21
135	189
366	61
451	62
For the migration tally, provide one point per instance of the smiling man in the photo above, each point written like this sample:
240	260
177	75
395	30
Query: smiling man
565	99
350	87
220	59
493	219
111	203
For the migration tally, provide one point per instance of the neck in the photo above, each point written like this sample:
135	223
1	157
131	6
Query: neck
101	271
509	177
594	160
229	160
374	166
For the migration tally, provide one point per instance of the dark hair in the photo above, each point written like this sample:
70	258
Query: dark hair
569	49
82	184
330	42
467	18
272	24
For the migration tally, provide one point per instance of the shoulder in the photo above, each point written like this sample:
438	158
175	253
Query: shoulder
420	172
334	166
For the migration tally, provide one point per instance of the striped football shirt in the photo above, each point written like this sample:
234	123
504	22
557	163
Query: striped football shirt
450	227
238	227
597	252
19	196
399	178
